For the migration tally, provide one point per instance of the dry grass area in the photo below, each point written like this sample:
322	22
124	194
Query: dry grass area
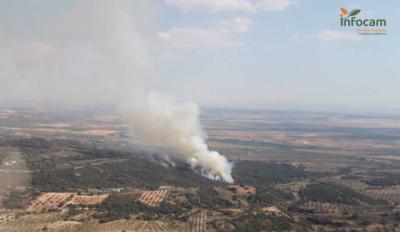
273	210
32	223
132	226
154	198
47	201
61	226
88	200
6	217
54	223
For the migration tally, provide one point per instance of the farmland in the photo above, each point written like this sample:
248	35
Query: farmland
48	201
88	200
198	221
293	171
154	198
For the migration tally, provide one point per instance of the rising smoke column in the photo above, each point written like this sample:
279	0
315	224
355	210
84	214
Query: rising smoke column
96	52
159	120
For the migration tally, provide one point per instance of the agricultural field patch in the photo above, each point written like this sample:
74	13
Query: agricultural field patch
32	223
154	198
87	200
198	222
293	171
48	201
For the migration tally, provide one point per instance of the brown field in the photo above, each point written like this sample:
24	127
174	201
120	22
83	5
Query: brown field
132	225
32	223
60	226
88	200
273	210
154	198
54	223
6	217
48	201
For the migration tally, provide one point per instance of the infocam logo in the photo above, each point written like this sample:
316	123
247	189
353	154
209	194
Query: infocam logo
364	26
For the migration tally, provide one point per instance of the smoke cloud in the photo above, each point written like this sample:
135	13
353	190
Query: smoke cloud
96	52
159	120
85	52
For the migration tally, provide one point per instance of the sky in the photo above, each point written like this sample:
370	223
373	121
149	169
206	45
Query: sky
265	54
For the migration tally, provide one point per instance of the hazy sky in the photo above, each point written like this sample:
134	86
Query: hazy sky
243	53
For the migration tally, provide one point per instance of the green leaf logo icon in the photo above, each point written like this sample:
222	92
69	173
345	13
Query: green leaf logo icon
354	12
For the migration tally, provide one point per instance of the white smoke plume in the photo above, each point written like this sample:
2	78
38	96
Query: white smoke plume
95	51
91	51
159	120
